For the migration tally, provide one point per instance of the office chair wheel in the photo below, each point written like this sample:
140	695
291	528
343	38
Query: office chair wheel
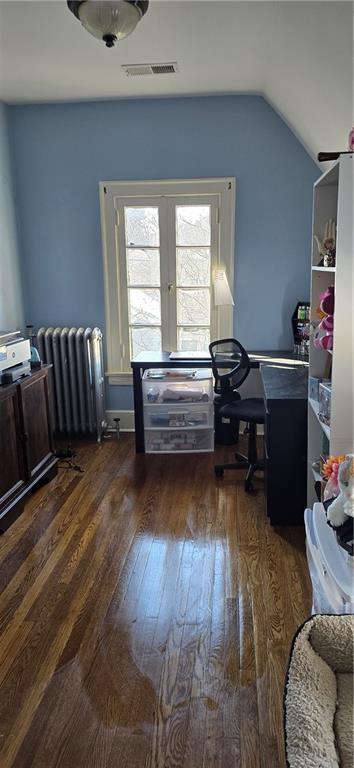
219	472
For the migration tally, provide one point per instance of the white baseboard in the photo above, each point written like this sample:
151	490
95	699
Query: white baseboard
126	423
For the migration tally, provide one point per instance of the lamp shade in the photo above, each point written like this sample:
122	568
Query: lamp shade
109	20
222	294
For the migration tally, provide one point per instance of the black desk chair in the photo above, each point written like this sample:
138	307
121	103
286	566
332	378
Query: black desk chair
231	366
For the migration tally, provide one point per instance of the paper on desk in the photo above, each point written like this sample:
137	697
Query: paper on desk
189	355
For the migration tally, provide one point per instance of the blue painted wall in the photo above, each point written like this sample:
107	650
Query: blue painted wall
62	151
11	311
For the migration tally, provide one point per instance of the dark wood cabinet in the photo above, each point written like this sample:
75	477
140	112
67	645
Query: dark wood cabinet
26	443
12	466
37	433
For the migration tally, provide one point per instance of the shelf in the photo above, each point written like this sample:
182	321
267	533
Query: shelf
182	405
315	407
323	269
189	427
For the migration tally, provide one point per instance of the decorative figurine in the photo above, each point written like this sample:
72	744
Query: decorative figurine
343	505
323	338
327	247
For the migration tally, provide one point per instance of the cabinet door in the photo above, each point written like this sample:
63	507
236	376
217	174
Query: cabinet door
12	468
36	421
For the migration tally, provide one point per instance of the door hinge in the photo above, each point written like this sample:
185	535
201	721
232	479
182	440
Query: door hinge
218	215
117	218
105	190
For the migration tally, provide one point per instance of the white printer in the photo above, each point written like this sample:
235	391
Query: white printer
15	353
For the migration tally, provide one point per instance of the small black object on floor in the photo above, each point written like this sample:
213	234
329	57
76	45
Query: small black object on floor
65	457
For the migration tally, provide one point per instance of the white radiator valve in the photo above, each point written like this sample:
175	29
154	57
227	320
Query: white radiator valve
117	426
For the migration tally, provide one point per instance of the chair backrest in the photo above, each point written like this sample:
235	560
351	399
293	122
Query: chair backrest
230	364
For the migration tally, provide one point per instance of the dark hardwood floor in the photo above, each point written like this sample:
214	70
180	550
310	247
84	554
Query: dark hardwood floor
146	617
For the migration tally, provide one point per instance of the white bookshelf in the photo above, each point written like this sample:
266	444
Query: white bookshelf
333	199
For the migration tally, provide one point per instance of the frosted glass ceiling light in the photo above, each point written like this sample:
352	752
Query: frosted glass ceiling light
109	20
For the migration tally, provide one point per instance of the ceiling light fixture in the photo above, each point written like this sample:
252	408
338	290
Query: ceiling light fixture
109	20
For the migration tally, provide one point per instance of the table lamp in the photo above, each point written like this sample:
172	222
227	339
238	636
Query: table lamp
222	294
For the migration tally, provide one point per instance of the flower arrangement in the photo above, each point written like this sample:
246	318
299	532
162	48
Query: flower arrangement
330	468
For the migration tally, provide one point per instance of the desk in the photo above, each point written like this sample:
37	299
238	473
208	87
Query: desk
285	442
146	360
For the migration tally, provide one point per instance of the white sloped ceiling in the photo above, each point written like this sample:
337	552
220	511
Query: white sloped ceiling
299	55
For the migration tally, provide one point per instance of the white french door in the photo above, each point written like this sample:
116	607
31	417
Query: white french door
162	241
168	249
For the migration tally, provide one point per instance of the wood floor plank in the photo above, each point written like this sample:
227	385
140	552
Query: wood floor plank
95	629
146	616
30	582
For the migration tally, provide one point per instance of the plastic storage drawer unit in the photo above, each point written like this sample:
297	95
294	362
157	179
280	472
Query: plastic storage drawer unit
169	416
178	411
331	567
174	391
179	441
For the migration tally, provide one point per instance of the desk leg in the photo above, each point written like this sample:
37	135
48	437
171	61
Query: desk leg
138	410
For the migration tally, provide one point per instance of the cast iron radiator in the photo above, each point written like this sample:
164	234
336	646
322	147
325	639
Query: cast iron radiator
77	379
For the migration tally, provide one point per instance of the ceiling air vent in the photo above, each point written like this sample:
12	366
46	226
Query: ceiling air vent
164	69
138	70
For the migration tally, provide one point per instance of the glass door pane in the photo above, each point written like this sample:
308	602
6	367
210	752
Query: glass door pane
193	306
145	340
143	266
193	266
142	226
144	306
192	225
193	339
